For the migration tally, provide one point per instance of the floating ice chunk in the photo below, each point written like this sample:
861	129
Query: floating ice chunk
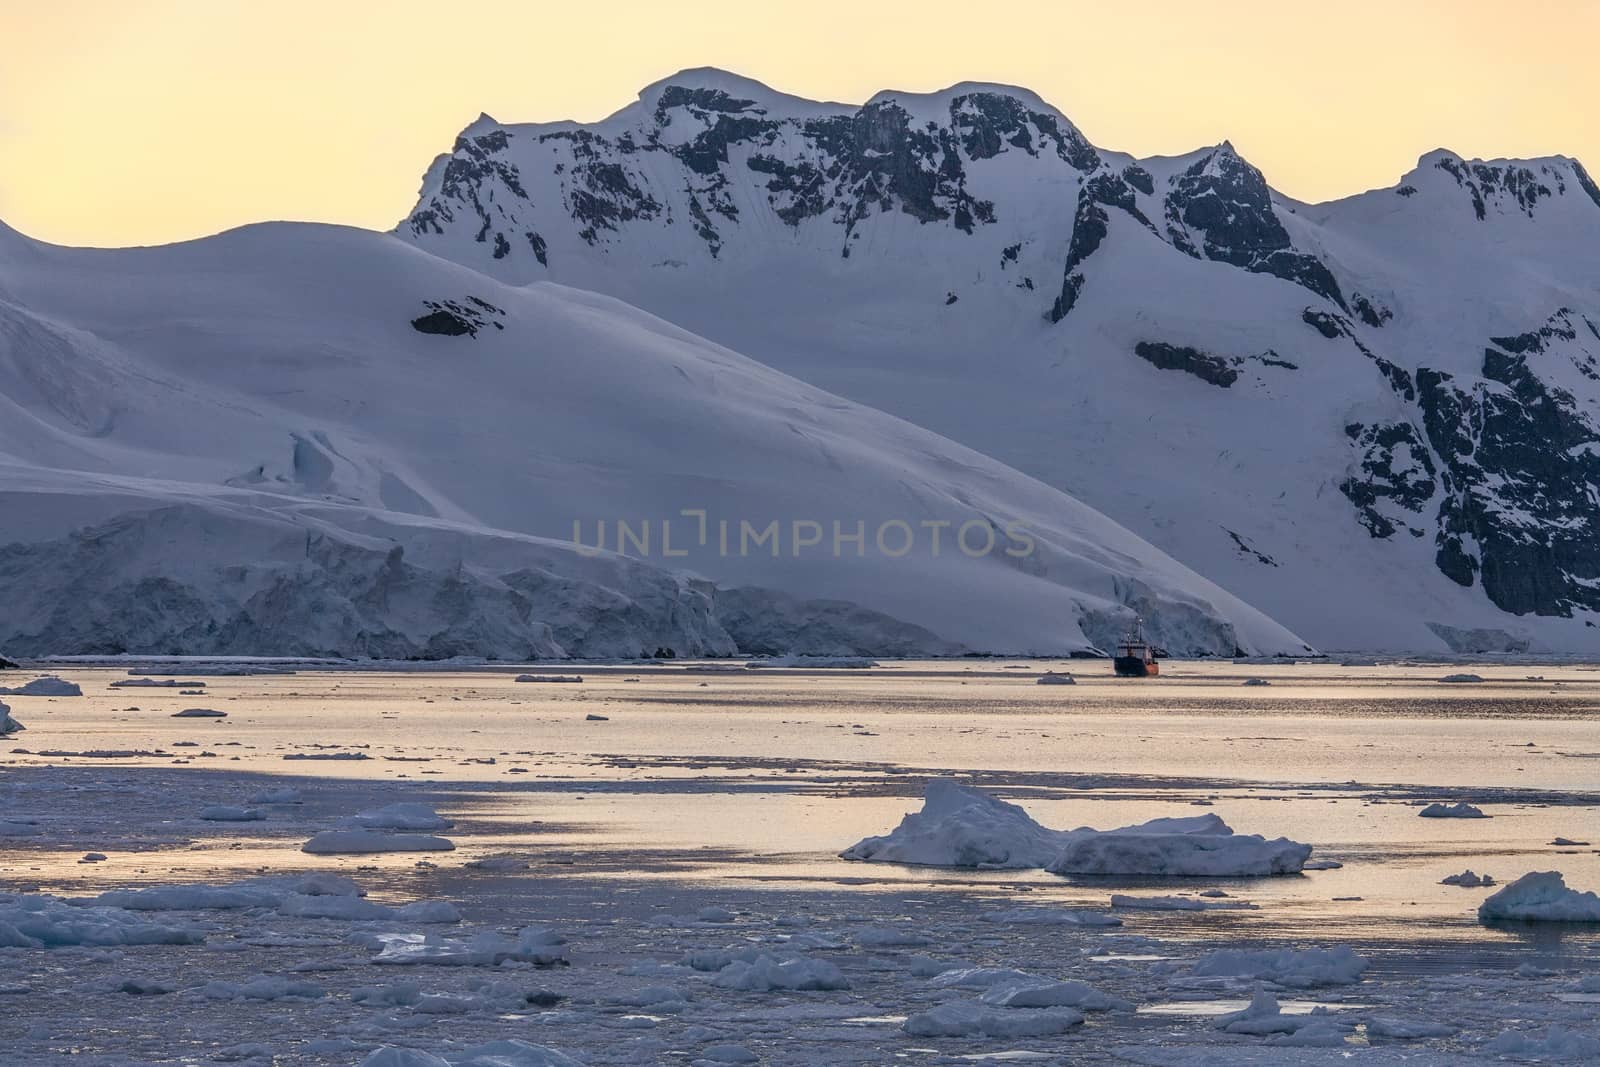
984	978
1542	896
8	725
535	945
302	906
591	717
959	826
511	1053
548	678
1078	995
766	973
1467	879
156	683
405	816
364	842
230	813
1462	810
1052	678
1293	968
47	686
1461	679
963	1018
199	713
1256	681
890	937
1179	848
1556	1043
37	921
1567	842
390	1056
190	898
263	987
1050	917
1315	1033
1263	1016
1405	1029
1122	900
497	863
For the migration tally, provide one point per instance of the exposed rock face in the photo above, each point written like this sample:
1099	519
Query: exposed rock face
1522	459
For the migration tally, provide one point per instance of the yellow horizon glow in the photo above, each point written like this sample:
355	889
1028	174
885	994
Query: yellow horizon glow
131	123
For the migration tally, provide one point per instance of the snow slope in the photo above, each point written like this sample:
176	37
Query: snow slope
317	440
1378	419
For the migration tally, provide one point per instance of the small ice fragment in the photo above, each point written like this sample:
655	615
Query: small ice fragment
1463	810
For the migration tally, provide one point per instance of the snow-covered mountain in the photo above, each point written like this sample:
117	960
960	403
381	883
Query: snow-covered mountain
1378	419
299	439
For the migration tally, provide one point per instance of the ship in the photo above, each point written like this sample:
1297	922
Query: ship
1136	657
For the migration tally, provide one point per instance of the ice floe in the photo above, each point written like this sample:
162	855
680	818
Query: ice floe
364	842
963	1018
548	678
1555	1043
8	725
230	813
535	945
1462	810
766	973
47	686
960	826
199	713
1047	994
1541	896
1292	968
403	816
1052	678
38	921
1467	879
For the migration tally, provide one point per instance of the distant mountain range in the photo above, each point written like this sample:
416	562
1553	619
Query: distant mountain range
1377	419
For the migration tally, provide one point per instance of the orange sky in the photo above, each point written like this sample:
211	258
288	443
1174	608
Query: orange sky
135	122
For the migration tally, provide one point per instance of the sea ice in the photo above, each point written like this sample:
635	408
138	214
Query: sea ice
534	945
1463	810
1052	678
1048	994
1541	896
363	842
963	1018
1405	1029
405	816
959	826
37	921
1467	879
1166	847
548	678
199	713
1461	679
8	725
1293	968
1556	1043
766	973
230	813
47	686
